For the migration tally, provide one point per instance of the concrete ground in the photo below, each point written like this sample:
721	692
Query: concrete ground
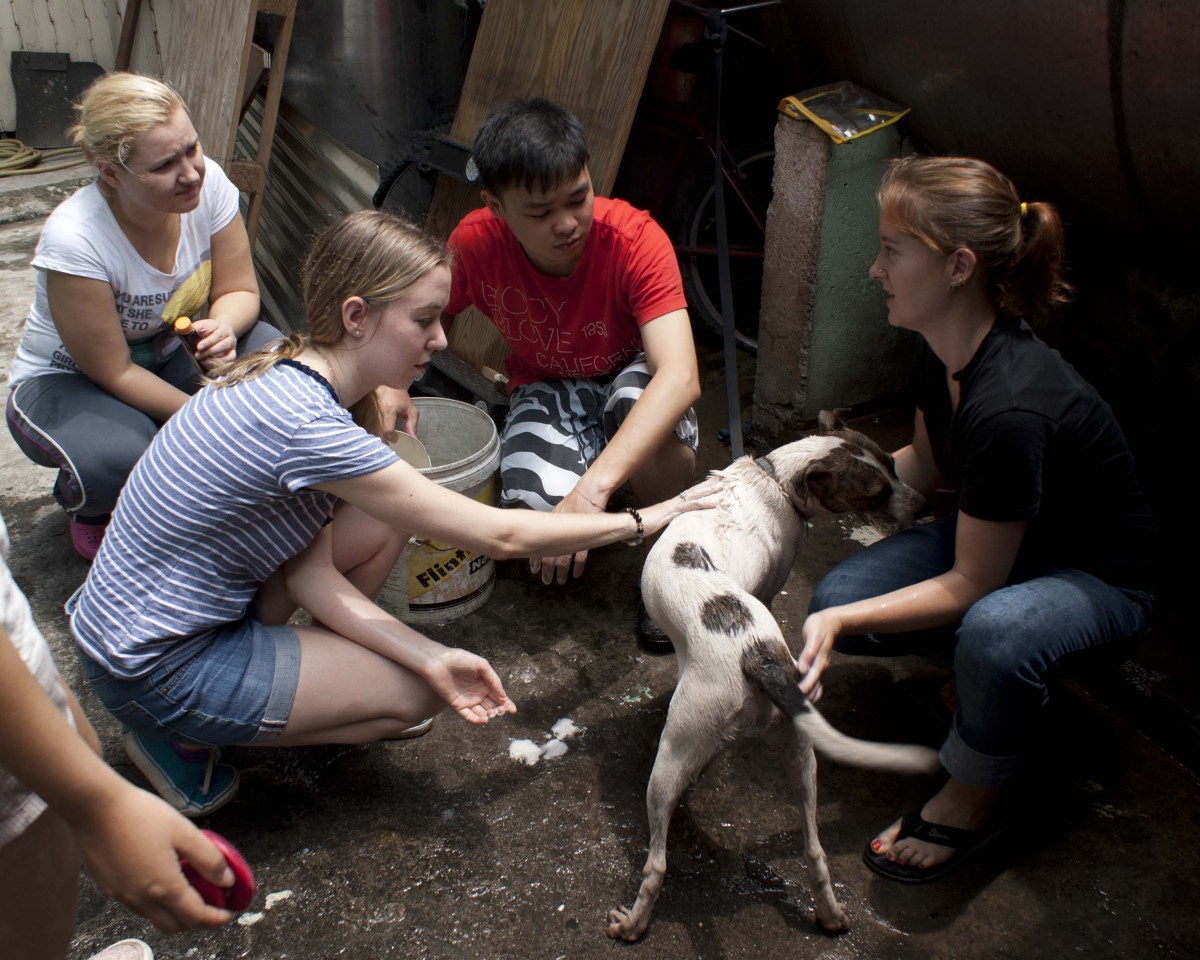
444	847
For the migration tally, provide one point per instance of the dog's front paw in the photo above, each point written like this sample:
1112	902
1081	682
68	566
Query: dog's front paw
622	925
836	920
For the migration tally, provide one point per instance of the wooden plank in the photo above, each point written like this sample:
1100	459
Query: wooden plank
283	40
591	56
153	29
206	62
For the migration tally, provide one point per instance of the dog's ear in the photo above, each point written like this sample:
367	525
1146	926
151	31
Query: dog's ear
815	481
829	422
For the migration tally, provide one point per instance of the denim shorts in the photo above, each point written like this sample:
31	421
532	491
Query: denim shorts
237	689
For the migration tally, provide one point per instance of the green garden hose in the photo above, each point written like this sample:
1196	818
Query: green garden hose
17	158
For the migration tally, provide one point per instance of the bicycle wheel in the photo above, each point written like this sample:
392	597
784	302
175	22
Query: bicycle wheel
746	200
407	180
406	187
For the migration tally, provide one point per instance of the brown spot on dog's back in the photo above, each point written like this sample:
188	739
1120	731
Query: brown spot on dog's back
726	614
692	556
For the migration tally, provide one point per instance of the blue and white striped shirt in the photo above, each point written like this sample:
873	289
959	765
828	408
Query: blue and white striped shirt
218	502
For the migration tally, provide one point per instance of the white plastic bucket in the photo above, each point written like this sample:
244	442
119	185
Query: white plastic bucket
436	582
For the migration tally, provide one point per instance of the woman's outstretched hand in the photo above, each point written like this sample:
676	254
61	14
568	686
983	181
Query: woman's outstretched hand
703	496
469	685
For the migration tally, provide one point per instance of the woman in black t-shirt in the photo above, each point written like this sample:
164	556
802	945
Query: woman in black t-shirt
1049	553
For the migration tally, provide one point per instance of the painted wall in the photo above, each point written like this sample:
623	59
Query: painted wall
87	30
824	341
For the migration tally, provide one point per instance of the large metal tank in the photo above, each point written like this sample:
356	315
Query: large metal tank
363	76
1091	103
371	73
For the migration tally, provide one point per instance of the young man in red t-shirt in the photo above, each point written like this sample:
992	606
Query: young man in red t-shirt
586	291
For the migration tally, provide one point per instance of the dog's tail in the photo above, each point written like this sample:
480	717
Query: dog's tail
769	664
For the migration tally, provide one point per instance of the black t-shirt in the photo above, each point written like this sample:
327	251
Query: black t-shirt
1032	440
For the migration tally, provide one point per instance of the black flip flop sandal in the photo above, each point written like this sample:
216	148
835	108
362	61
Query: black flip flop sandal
965	843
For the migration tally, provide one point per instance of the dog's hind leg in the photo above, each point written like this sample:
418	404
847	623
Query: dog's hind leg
801	765
695	732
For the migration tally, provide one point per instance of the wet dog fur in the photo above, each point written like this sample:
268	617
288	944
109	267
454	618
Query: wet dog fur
707	583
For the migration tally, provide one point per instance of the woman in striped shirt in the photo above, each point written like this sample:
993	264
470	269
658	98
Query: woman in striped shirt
224	529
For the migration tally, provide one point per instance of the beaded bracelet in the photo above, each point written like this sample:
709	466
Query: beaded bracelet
641	531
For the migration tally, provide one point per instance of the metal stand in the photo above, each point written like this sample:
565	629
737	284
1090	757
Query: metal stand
716	30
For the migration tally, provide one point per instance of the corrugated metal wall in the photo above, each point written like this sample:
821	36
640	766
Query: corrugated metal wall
312	180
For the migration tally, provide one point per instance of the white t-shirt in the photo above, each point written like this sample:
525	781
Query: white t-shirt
18	806
82	238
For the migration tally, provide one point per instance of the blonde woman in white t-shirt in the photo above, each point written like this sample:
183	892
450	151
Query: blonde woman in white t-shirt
158	235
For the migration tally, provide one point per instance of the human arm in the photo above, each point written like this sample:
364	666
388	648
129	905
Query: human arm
915	463
85	316
130	839
401	497
984	553
233	303
465	681
674	386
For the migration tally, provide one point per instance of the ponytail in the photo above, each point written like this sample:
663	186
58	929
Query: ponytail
952	202
1036	283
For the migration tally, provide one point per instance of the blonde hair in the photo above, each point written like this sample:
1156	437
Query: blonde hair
373	254
952	202
118	108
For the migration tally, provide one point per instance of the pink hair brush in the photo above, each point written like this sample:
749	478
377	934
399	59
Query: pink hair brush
236	898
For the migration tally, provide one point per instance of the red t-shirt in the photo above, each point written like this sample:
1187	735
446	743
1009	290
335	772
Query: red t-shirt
585	325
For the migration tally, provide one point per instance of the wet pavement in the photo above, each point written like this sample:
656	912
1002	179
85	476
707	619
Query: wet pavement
445	847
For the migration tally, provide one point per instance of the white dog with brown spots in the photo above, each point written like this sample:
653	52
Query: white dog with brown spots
707	583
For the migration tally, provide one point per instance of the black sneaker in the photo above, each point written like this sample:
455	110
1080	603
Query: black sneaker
650	636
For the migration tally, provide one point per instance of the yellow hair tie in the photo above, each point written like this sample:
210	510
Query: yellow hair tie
1024	208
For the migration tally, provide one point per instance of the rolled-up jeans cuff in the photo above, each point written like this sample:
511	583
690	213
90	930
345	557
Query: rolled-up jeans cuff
970	766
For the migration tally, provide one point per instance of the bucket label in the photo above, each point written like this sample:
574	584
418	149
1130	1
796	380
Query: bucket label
439	574
435	582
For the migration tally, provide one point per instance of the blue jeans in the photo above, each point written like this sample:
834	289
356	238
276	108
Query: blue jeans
1007	648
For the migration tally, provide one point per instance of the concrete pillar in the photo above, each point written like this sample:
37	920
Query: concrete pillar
823	338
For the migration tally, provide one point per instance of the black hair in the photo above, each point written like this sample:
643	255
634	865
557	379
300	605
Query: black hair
534	143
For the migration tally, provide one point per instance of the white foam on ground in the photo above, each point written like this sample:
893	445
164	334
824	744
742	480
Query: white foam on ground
529	753
274	898
555	748
525	751
565	729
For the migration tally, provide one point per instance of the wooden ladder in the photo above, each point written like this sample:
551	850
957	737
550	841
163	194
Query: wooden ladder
209	55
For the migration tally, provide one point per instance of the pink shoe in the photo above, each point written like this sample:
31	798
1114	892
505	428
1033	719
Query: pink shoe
86	537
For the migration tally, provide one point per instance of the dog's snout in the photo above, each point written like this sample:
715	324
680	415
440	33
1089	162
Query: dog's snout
906	504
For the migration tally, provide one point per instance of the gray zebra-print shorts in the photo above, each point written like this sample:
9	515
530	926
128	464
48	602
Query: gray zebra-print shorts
556	429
